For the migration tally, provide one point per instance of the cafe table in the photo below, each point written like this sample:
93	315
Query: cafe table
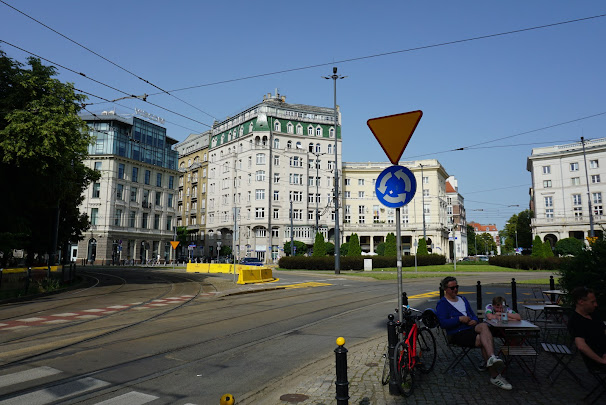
554	296
517	342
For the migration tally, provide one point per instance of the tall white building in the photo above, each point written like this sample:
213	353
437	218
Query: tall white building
431	212
261	160
132	206
563	186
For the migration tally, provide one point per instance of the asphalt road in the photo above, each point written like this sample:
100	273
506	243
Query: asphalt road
134	336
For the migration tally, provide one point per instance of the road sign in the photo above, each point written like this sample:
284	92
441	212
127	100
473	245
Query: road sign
174	243
394	131
396	186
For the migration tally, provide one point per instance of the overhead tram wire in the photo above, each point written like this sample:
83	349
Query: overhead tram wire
162	91
378	55
144	99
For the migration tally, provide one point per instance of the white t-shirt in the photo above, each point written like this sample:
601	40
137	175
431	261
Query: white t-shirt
459	305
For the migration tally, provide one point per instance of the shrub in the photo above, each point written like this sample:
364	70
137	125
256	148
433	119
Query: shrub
344	249
354	246
547	251
569	246
300	248
537	247
380	249
390	245
527	262
422	250
356	263
330	248
319	246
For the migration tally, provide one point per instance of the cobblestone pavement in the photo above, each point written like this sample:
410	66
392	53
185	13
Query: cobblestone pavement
463	385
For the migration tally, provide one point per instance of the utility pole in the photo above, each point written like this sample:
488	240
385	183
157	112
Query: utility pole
292	232
423	202
591	232
334	77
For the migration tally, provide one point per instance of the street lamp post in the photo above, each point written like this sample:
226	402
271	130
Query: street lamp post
317	163
334	77
591	232
423	202
264	120
218	250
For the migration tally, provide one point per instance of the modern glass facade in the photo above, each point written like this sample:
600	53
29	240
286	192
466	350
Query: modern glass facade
132	138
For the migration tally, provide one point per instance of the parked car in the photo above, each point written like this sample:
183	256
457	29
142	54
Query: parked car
483	258
251	261
467	259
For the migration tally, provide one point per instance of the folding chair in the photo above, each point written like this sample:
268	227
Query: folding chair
563	356
459	352
599	373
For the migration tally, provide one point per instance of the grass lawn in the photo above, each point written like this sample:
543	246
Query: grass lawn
428	272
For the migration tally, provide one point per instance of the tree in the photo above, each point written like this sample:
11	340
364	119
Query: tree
225	251
300	248
520	223
569	246
486	243
390	245
547	250
330	248
422	249
354	246
471	241
319	246
380	249
344	249
537	247
43	144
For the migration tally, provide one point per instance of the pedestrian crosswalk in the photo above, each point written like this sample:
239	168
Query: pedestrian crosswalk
62	391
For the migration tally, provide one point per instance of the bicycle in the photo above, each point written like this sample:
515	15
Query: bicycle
416	348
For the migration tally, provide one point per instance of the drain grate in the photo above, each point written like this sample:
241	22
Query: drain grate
294	398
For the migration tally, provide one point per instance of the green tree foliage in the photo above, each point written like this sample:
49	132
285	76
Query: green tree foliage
344	249
301	248
422	249
390	245
486	244
587	269
380	249
521	223
319	246
330	248
569	246
537	247
547	251
225	251
471	241
354	246
43	143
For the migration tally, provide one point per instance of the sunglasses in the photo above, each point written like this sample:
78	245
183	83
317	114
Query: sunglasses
454	287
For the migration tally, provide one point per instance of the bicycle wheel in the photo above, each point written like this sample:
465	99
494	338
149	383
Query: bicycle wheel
405	377
426	350
385	376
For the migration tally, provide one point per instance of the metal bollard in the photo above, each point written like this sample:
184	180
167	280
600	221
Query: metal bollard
392	340
342	384
479	296
552	287
514	295
27	278
1	277
404	299
441	291
227	399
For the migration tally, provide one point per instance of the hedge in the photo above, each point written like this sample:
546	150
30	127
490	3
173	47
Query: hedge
356	263
528	262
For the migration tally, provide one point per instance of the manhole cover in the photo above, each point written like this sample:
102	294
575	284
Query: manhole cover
293	398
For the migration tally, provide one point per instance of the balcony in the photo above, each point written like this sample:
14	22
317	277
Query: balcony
145	204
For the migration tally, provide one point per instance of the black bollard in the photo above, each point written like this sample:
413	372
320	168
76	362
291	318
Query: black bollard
404	299
552	287
1	277
392	340
479	296
342	384
27	278
441	291
514	295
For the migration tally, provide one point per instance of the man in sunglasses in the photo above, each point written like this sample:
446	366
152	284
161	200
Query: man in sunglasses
464	329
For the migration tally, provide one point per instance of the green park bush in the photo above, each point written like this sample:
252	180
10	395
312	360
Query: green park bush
356	263
527	262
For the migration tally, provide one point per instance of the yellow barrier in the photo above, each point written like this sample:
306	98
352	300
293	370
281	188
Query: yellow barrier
255	275
216	268
24	269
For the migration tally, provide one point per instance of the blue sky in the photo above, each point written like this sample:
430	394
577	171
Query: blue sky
470	92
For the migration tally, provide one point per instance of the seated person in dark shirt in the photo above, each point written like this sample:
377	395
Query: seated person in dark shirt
587	329
464	329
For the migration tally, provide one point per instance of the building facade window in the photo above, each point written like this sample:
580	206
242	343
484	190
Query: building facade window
259	194
594	164
121	171
574	167
547	183
548	201
96	190
159	180
94	216
135	175
259	213
576	181
595	178
147	176
546	169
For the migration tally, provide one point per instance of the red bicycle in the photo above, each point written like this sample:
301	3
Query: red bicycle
416	348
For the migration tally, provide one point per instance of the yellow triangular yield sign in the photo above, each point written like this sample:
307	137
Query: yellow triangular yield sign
394	131
174	243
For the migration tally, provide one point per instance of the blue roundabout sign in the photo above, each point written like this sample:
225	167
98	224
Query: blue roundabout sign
396	186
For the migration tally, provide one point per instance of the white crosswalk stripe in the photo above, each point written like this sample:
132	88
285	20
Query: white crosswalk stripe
57	393
131	398
27	375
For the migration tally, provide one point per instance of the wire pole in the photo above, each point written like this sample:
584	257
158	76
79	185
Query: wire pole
591	233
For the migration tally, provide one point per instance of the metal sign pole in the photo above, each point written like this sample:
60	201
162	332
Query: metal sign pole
399	263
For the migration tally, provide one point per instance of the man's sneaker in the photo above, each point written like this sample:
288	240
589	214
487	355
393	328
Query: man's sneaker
482	366
501	382
494	361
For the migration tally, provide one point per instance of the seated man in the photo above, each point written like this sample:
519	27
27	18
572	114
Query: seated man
587	329
464	329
